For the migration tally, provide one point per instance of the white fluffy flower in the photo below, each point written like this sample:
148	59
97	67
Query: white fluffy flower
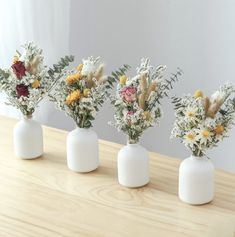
218	95
89	65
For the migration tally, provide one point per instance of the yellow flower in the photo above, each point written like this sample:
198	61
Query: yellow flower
205	133
73	96
147	115
86	92
79	67
15	59
198	93
190	114
35	84
122	80
73	78
189	136
219	129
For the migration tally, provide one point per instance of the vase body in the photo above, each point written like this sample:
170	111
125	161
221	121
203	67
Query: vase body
196	180
82	150
28	139
133	166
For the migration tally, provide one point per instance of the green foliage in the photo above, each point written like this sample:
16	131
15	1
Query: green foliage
60	66
57	72
120	72
167	86
163	90
229	107
3	74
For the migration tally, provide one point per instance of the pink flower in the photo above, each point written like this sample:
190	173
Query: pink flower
129	93
129	118
130	112
19	69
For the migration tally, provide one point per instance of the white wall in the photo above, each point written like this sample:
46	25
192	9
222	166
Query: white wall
197	36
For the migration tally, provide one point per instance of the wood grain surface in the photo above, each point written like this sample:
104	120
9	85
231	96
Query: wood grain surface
42	198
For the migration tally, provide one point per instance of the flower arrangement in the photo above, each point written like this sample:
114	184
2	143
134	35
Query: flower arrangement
83	91
202	122
137	100
28	80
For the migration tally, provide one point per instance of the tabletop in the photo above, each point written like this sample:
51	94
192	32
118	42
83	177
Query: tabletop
43	198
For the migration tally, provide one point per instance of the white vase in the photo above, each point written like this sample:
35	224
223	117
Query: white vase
28	138
133	166
196	180
82	150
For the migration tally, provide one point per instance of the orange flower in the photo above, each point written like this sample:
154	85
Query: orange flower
35	84
73	78
219	129
79	67
72	97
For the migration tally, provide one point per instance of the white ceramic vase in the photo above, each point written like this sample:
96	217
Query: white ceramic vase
28	138
82	150
133	166
196	180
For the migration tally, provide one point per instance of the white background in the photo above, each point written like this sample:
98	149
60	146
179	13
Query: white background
196	35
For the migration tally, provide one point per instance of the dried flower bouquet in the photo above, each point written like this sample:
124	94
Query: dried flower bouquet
28	80
137	101
202	122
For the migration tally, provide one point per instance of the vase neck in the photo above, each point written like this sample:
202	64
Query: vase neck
197	157
27	117
131	141
82	129
132	144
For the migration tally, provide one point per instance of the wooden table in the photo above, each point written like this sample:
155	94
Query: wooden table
42	198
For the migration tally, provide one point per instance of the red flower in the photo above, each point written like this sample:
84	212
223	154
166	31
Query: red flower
22	90
19	69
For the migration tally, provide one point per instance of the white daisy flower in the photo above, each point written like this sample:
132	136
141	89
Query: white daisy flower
189	139
191	114
203	135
